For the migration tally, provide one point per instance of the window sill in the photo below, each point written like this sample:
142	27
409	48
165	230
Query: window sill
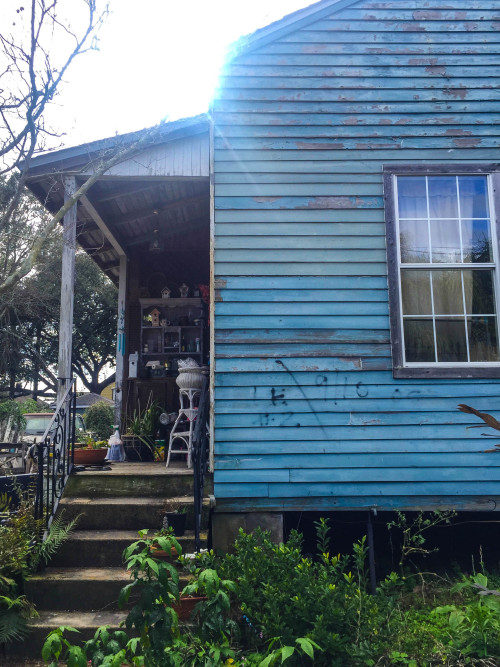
436	372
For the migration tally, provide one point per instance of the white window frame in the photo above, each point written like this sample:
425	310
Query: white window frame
437	369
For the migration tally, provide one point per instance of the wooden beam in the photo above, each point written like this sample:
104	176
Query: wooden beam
125	190
133	216
67	291
180	228
114	264
95	249
120	338
118	245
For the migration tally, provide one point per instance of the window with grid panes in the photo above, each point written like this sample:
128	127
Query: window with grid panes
444	241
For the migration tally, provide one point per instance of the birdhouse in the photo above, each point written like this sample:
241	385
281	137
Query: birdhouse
165	293
155	317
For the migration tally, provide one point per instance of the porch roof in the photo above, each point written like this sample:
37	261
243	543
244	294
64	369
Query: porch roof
160	192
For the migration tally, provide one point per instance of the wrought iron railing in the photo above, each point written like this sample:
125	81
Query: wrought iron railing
55	457
199	454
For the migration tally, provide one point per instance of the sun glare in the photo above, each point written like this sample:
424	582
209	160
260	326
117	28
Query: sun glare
159	59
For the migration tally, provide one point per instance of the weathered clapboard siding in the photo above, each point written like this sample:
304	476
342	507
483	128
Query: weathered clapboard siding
307	412
188	157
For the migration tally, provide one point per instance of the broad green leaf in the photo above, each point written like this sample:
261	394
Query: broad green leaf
133	644
121	637
456	619
102	633
76	657
119	658
306	646
481	580
125	594
52	647
286	652
153	565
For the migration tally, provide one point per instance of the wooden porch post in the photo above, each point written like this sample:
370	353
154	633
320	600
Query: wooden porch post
67	290
120	338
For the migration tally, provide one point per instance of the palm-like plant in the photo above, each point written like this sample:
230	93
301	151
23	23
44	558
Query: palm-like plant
487	419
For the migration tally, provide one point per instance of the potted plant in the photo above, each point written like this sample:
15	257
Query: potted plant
174	516
90	451
138	440
165	549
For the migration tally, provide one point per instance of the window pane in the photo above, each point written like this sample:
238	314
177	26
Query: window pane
479	295
483	339
450	340
445	241
412	202
414	241
416	292
473	196
447	292
443	201
476	241
419	340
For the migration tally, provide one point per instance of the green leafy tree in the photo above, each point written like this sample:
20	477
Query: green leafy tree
99	420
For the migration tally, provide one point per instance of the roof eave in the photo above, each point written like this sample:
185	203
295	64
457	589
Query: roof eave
285	25
73	158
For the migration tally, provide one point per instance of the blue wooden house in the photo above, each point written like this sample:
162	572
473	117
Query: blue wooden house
356	166
341	201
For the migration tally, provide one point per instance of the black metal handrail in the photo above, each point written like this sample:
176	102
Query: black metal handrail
199	457
55	457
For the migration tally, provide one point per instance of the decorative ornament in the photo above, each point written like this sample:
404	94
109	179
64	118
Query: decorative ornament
183	290
155	317
165	293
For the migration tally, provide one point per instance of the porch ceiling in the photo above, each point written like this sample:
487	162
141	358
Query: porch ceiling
161	192
134	211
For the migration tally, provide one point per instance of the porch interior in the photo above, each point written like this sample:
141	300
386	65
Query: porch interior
146	224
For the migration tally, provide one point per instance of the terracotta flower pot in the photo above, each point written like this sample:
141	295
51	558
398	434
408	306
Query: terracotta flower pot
90	456
164	555
185	606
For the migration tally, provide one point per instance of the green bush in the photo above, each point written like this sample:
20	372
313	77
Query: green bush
12	409
267	604
99	419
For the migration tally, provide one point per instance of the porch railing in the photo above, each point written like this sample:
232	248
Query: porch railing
199	454
55	457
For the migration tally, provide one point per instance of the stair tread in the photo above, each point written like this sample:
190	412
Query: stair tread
142	469
87	574
78	619
82	573
127	500
123	535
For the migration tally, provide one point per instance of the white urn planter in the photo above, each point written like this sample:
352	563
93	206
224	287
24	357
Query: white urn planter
189	378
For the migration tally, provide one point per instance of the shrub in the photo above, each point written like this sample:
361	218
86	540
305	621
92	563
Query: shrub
12	409
99	419
267	604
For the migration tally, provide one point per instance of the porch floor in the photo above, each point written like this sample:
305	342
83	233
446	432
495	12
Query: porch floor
139	468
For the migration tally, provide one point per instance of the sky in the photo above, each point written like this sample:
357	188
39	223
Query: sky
156	59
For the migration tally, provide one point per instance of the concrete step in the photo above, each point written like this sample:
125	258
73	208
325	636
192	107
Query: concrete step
85	622
79	589
131	513
104	548
135	479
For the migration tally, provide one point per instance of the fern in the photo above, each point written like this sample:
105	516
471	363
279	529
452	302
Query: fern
4	502
59	532
14	615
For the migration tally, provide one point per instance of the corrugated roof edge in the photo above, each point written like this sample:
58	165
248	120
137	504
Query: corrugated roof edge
285	25
194	123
